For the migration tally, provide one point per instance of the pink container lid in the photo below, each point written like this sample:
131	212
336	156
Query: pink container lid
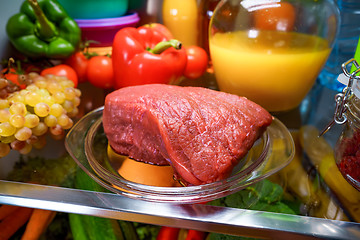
103	30
125	20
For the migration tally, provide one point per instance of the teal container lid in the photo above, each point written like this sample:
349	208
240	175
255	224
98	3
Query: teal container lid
93	9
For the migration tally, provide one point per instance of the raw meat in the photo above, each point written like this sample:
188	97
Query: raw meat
201	133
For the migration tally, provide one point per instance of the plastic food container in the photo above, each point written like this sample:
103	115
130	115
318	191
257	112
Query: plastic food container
91	9
103	30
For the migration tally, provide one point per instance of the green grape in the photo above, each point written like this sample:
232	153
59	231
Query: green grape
68	105
8	139
77	92
4	115
33	75
32	139
45	105
41	109
50	120
53	87
76	101
6	129
18	108
16	97
23	134
49	100
17	120
65	83
73	113
32	98
59	97
32	88
56	130
4	103
31	120
40	129
69	93
40	82
56	110
3	83
69	125
4	149
40	143
26	149
44	93
63	120
17	145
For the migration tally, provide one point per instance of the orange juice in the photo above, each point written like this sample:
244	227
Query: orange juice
274	69
180	17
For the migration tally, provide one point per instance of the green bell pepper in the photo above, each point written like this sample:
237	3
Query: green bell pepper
42	28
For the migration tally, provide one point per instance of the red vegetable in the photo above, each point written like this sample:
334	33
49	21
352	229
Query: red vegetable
62	70
78	62
12	75
160	28
278	16
145	55
100	72
195	235
197	62
167	233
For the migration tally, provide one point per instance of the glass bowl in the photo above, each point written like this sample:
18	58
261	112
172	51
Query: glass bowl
87	144
271	51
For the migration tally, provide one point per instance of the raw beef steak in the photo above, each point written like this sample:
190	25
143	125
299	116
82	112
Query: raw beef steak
202	133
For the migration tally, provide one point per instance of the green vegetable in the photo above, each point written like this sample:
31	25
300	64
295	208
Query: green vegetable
263	196
55	172
86	227
42	28
146	231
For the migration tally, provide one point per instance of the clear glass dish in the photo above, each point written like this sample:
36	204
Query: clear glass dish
87	144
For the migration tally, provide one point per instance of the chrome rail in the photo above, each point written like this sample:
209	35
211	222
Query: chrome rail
231	221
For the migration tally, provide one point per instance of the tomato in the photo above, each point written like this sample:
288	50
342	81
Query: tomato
62	70
100	72
197	62
278	16
13	76
78	62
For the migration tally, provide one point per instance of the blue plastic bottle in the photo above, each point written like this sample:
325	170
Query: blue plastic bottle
345	44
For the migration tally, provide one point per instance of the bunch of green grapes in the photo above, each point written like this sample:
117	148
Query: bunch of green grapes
46	105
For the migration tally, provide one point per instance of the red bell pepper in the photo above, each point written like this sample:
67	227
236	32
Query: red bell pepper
168	233
145	55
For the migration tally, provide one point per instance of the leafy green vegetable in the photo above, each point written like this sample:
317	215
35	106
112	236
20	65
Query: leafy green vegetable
55	172
263	196
146	231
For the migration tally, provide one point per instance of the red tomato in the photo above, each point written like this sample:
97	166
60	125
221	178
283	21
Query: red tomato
100	72
278	16
79	63
62	70
197	62
12	76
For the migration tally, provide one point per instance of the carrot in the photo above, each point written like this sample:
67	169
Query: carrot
14	222
6	210
38	222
